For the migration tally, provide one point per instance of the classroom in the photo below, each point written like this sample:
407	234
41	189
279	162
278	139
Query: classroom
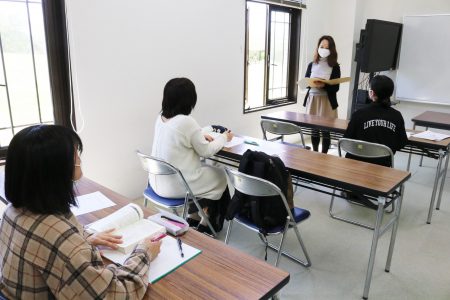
123	53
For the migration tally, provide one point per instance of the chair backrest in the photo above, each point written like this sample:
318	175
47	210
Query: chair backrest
365	149
280	128
255	186
158	166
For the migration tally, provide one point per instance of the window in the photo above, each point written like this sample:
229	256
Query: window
35	82
25	95
272	55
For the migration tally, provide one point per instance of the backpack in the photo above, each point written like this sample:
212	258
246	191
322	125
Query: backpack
270	211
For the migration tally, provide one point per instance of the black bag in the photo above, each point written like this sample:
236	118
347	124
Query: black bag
270	211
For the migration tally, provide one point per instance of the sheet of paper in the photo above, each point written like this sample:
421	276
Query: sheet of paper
234	142
91	202
167	260
430	135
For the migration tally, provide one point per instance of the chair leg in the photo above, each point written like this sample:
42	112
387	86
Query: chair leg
202	214
330	211
186	201
302	245
227	237
280	248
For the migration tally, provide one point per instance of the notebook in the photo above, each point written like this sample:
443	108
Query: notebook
168	260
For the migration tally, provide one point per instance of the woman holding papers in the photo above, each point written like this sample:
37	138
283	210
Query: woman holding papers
45	252
321	98
378	122
179	140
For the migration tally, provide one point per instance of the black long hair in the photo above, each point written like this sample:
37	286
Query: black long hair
333	57
39	169
179	97
383	87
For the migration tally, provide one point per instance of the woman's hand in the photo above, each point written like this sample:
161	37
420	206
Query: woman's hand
208	137
105	238
319	84
153	248
229	135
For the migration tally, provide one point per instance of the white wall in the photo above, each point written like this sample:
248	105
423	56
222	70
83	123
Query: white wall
123	52
394	11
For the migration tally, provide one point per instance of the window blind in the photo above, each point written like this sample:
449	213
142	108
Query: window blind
297	4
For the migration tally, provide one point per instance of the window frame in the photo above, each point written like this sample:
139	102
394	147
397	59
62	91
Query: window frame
293	64
54	16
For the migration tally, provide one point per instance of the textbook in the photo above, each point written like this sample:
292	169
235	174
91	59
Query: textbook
311	81
129	222
167	261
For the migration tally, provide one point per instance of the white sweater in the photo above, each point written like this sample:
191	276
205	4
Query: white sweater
180	142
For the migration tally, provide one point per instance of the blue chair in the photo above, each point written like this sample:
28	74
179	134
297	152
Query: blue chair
157	166
254	186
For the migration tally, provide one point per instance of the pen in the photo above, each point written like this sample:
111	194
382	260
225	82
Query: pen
251	143
177	223
179	247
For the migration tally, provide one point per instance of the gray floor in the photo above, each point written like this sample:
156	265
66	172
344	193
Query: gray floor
340	251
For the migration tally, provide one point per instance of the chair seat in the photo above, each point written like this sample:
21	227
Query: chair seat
299	214
152	196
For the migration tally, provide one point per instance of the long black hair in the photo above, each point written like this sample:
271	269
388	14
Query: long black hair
39	169
179	97
383	87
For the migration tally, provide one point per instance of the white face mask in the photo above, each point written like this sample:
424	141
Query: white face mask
324	52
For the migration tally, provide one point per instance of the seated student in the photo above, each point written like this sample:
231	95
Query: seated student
179	140
44	252
378	122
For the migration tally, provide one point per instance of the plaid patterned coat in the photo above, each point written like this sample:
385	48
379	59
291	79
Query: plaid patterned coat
48	257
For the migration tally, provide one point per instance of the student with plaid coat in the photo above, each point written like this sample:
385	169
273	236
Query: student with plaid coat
44	252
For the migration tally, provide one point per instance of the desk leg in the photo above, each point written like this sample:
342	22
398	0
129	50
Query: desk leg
409	160
373	249
394	229
443	177
436	180
421	157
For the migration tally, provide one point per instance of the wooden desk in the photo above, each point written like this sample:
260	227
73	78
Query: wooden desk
219	272
340	173
337	127
432	119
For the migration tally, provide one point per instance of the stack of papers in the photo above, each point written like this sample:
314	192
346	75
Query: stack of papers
432	136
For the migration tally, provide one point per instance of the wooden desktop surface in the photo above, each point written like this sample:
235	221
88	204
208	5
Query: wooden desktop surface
346	173
300	119
340	126
433	119
219	272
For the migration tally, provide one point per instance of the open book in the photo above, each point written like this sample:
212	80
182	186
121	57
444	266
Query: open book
129	222
311	81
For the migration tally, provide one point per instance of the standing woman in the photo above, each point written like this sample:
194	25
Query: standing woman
321	100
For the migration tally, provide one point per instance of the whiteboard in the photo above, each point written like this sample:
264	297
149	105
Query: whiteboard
423	73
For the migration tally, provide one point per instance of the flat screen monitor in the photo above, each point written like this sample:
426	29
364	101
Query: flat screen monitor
379	50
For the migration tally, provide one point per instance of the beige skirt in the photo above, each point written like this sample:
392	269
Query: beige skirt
320	105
